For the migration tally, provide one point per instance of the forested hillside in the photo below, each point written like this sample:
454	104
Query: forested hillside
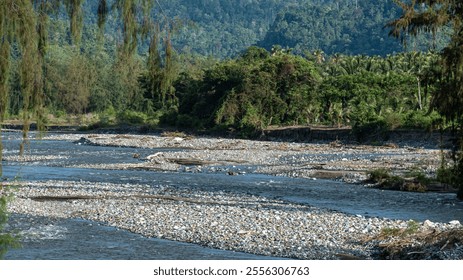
222	28
347	27
174	81
225	28
218	28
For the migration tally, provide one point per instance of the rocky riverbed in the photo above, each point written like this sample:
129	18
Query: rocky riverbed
333	160
240	221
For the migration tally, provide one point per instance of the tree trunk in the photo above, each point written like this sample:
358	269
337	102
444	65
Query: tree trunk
420	104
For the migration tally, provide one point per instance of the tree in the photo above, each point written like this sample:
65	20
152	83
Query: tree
430	16
23	23
7	240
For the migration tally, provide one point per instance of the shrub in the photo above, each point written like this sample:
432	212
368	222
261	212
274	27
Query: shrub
422	119
378	175
186	121
7	240
169	118
132	117
393	120
412	228
371	131
385	180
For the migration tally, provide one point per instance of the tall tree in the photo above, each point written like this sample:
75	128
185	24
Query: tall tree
430	16
18	26
154	65
23	23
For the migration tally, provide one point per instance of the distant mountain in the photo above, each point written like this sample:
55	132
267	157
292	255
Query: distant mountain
347	27
224	28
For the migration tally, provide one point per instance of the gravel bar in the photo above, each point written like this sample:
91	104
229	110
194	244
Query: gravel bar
238	222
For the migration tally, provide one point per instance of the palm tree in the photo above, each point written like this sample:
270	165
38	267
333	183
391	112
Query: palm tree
319	56
352	64
430	16
415	64
334	65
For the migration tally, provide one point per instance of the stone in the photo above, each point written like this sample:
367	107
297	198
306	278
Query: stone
429	224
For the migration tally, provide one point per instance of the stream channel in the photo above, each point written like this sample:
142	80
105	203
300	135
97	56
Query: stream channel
80	239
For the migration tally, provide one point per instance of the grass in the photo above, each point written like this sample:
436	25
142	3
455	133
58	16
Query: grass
412	228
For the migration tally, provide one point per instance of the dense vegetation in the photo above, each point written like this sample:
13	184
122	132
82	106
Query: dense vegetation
347	27
218	28
431	16
260	89
117	79
148	69
225	28
251	92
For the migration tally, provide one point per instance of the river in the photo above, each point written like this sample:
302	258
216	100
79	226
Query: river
79	239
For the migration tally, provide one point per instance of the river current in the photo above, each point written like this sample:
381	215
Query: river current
79	239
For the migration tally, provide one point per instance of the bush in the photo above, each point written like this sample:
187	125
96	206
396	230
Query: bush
423	120
378	175
385	180
7	240
132	117
371	131
186	121
169	118
393	120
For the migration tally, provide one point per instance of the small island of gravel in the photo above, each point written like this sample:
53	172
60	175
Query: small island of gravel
242	221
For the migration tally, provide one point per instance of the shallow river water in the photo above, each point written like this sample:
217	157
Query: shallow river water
72	239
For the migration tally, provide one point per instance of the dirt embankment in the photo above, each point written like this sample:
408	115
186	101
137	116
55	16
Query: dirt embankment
403	137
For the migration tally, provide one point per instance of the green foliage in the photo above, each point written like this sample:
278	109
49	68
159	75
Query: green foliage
412	228
425	16
386	180
105	119
7	240
379	175
131	117
222	28
187	121
414	181
421	119
349	27
253	91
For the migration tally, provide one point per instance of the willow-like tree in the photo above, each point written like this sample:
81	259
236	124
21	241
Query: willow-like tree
162	70
24	23
18	26
431	16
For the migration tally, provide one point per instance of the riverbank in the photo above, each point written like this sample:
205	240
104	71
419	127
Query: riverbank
329	160
243	223
240	221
